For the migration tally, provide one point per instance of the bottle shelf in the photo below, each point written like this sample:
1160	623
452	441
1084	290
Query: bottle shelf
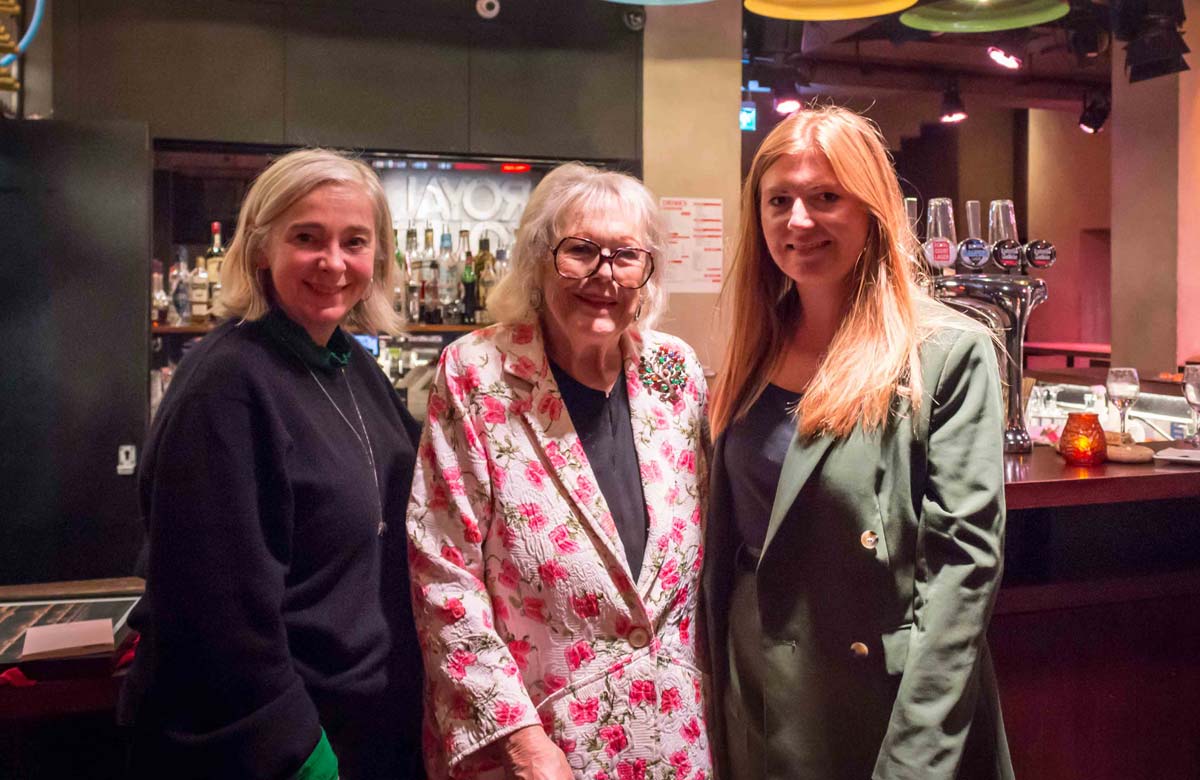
177	330
199	330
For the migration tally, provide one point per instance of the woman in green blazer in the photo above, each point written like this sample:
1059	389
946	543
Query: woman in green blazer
856	522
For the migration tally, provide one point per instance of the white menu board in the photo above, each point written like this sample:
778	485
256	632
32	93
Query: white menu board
695	239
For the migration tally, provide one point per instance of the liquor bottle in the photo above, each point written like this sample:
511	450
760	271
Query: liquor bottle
198	293
412	257
501	263
485	265
400	288
448	278
429	279
470	301
214	259
160	302
181	307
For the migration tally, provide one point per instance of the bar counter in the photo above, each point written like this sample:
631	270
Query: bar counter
1042	479
1095	636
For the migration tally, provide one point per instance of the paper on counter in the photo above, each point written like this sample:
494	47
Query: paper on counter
68	640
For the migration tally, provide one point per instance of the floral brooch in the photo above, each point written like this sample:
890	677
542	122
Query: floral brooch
663	373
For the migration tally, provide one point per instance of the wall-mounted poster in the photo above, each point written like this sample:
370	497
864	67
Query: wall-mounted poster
695	237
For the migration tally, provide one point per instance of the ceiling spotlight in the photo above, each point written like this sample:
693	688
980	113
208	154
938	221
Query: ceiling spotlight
1096	108
953	108
787	95
1004	59
1156	45
1156	52
787	105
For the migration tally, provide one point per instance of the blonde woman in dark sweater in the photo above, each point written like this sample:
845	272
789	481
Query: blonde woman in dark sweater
277	639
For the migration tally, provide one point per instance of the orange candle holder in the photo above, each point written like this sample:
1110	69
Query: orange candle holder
1083	442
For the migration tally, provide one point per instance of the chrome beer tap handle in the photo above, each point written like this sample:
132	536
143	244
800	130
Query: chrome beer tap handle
1003	303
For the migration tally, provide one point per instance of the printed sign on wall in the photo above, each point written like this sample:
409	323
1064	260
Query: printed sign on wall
695	237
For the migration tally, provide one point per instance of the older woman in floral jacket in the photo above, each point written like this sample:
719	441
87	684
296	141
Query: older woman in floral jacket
555	524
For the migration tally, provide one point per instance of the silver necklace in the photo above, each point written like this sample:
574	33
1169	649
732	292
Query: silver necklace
364	440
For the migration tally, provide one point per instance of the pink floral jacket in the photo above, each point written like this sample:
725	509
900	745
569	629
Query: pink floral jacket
526	610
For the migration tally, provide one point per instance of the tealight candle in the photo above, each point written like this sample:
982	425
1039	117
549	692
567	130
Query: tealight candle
1083	442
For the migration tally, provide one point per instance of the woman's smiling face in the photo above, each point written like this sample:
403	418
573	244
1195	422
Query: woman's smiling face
814	229
321	257
595	310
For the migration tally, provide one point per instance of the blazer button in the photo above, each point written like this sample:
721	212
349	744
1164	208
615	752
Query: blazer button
869	539
639	638
859	650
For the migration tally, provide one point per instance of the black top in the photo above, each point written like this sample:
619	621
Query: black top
755	447
273	607
606	431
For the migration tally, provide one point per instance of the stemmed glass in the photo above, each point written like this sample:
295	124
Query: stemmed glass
1191	392
1123	387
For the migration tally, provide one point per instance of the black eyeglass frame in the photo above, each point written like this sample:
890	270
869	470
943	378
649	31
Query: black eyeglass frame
604	255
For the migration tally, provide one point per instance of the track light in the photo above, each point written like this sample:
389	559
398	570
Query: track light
1096	107
1151	27
1158	51
787	96
787	105
953	108
1004	59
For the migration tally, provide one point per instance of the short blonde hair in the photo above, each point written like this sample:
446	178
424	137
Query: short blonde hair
565	194
285	181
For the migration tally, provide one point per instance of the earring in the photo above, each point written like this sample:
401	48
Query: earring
535	299
637	315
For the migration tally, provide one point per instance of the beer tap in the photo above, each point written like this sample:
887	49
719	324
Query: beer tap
1003	301
973	251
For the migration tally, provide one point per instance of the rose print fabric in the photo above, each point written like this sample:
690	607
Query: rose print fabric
525	607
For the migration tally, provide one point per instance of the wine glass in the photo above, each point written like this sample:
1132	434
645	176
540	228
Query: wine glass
1191	392
1122	386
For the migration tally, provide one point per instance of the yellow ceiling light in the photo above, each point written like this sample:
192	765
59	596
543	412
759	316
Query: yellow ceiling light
825	10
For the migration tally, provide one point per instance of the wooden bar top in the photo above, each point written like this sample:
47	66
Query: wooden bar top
1043	479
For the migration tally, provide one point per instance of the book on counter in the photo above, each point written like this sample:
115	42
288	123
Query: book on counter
64	638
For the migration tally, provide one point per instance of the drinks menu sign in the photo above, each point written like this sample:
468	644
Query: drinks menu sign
695	244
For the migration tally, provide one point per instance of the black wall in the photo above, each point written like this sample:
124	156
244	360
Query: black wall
75	228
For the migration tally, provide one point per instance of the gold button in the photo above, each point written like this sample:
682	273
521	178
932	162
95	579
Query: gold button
639	638
860	650
869	539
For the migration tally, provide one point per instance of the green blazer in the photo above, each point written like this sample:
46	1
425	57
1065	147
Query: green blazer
875	587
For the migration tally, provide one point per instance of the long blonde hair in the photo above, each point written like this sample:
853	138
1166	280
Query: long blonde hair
244	291
874	355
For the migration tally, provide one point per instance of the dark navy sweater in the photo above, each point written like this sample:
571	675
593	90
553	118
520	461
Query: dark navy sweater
273	608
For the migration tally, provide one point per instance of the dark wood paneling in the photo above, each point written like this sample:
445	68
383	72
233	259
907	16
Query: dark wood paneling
571	93
558	79
202	71
375	80
1104	692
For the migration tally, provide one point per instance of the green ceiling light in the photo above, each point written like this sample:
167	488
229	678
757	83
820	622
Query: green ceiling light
825	10
982	16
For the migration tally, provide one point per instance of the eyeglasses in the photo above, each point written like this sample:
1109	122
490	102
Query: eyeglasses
579	258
